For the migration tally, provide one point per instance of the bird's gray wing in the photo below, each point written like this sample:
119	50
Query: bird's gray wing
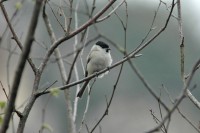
88	60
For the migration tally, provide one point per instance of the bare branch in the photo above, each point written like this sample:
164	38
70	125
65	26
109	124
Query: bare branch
110	101
63	73
179	99
56	16
4	90
180	24
113	11
180	112
147	86
193	99
15	37
21	65
81	28
119	75
152	24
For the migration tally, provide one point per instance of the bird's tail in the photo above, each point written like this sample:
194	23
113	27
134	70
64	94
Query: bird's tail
80	93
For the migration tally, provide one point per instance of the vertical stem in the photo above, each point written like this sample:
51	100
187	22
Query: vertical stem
75	66
57	54
182	60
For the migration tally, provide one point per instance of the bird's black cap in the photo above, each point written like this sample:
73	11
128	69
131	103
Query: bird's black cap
102	44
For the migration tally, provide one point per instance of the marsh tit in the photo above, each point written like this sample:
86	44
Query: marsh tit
98	59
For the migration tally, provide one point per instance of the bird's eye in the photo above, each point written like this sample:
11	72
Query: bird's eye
107	50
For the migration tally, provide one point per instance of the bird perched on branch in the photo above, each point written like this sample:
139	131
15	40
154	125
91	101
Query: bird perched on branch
98	59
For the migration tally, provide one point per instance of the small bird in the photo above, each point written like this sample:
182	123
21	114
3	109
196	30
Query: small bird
98	59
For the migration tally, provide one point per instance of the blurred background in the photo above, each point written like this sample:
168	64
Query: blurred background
131	105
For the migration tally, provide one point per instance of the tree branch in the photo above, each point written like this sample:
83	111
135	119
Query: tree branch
72	34
71	127
179	99
15	37
21	66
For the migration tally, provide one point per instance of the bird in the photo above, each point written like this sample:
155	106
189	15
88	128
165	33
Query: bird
98	59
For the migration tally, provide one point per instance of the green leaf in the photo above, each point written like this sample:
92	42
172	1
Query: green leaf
121	49
2	104
18	5
54	92
48	127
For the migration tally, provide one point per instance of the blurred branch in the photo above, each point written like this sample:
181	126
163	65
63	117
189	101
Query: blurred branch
138	49
2	1
145	83
68	25
120	71
11	52
11	20
15	37
75	48
83	41
193	99
180	24
4	90
157	121
179	99
113	11
167	8
65	80
43	115
180	112
110	101
152	24
20	68
63	28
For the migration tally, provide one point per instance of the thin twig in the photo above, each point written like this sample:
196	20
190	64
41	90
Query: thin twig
130	55
193	99
113	11
11	52
72	34
179	99
43	114
119	75
4	90
65	80
84	36
12	20
110	101
161	114
56	17
180	112
152	24
75	48
147	85
20	68
15	37
50	85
